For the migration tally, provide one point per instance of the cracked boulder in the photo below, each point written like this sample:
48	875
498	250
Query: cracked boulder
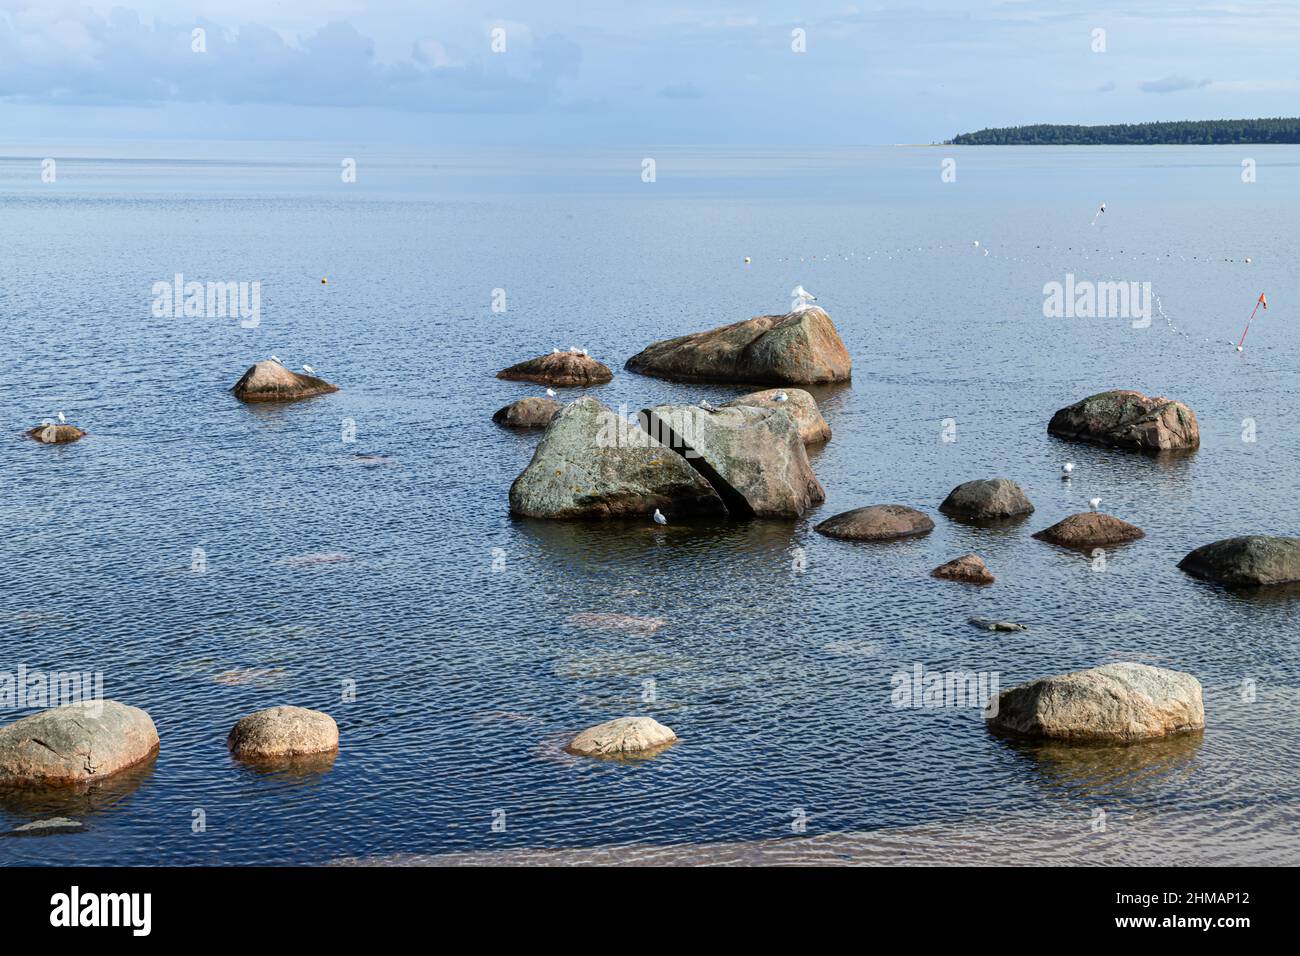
593	463
1128	419
75	744
753	456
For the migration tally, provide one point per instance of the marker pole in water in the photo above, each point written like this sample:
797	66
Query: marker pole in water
1258	302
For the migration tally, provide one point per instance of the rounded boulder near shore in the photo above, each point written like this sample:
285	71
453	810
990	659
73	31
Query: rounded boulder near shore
283	732
531	412
1246	562
75	744
269	381
51	433
877	523
1114	703
969	568
1090	529
622	737
987	499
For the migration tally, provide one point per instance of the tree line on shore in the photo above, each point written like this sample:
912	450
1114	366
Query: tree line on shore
1181	132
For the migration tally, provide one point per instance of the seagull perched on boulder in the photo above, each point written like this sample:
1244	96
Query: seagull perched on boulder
276	360
780	397
309	370
1095	502
659	517
550	393
62	420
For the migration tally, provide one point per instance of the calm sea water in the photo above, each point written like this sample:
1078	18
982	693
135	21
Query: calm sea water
469	679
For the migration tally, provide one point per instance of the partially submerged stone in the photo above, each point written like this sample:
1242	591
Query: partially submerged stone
1251	561
1128	419
48	827
969	568
283	732
269	381
75	744
592	463
798	404
1090	529
563	369
752	456
798	348
990	624
613	621
55	433
1117	703
622	737
531	412
988	499
877	523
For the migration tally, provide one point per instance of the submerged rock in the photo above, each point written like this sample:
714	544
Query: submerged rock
799	348
969	568
54	433
269	381
753	457
622	737
283	732
1090	529
591	463
877	523
798	404
1128	419
613	621
565	369
1115	702
48	827
988	624
529	412
1252	561
76	743
987	498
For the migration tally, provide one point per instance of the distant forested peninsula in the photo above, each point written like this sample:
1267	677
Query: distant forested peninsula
1179	133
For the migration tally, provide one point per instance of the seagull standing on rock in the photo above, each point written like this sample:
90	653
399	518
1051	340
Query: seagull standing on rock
309	370
780	397
659	517
62	420
1095	502
550	393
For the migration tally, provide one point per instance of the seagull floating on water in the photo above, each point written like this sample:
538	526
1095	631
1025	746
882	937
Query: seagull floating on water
1066	469
659	517
1095	502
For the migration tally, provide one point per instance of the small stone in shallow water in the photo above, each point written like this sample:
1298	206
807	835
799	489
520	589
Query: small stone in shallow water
617	622
47	827
969	568
988	624
622	737
280	732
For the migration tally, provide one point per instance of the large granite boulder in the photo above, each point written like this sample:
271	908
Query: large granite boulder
969	568
1090	529
986	499
55	433
592	463
565	369
798	404
877	523
799	348
529	412
283	732
752	456
1128	419
75	744
270	381
1253	561
622	737
1114	703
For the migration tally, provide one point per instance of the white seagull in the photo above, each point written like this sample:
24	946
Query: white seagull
555	351
659	517
276	359
1066	469
61	418
309	370
550	393
799	292
1095	502
780	397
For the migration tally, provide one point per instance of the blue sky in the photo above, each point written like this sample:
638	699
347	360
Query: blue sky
613	72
